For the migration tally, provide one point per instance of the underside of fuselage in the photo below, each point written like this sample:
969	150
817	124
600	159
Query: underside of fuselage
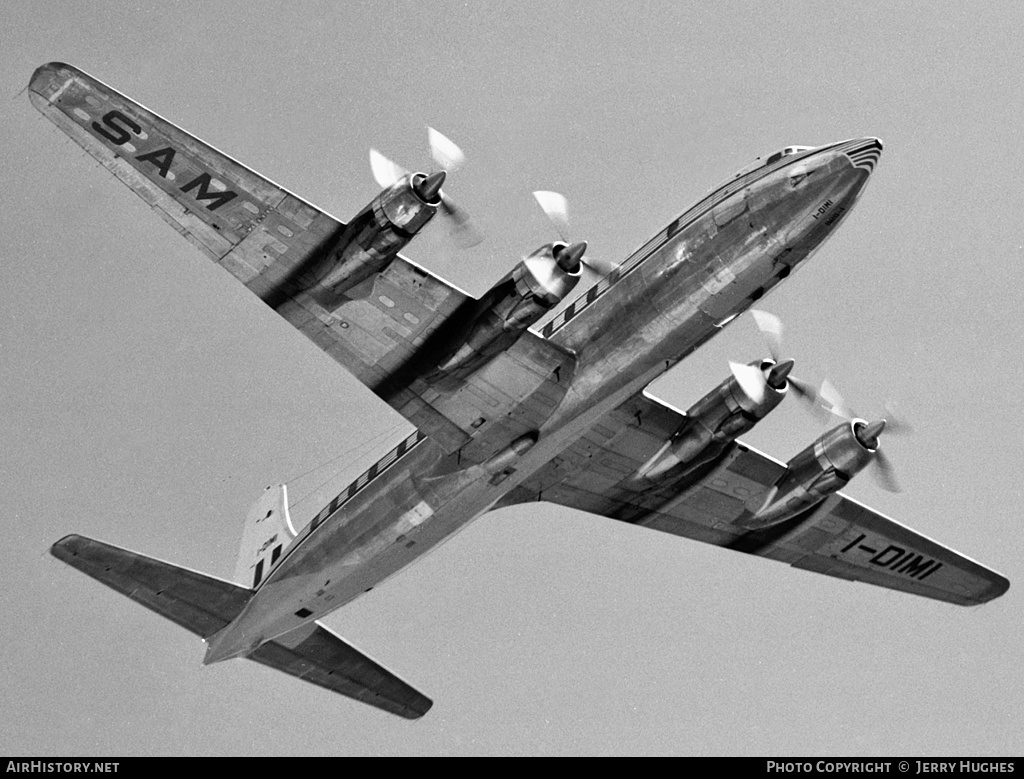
668	298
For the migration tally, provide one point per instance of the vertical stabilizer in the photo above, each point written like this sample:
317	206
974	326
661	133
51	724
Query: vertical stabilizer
268	531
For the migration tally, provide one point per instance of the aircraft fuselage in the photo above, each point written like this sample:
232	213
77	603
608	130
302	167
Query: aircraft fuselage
672	294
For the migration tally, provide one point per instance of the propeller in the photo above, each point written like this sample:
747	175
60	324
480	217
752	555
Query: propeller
448	157
834	404
868	434
778	376
556	208
828	400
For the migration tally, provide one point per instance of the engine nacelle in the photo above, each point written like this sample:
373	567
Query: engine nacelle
375	236
713	422
512	305
824	467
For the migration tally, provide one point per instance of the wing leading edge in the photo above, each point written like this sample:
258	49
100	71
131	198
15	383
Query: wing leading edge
205	604
838	537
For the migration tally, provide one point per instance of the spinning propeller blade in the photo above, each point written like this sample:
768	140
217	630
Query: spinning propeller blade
833	402
557	209
463	230
884	474
751	380
446	154
771	330
385	172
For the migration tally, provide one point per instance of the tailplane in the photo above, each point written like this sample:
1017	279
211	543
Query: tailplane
200	603
205	605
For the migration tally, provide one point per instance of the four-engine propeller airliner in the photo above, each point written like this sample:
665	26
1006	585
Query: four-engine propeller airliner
508	408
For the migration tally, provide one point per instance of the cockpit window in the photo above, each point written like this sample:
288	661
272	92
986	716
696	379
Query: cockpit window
772	158
787	152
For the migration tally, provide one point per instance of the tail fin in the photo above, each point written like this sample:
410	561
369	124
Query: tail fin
268	531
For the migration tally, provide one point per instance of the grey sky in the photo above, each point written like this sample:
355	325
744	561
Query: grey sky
147	398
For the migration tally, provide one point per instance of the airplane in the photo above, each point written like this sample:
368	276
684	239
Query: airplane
513	399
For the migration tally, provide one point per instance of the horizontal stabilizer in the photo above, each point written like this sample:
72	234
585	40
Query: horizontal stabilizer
199	603
317	655
205	604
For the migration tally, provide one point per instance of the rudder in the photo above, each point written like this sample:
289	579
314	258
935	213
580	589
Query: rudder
268	532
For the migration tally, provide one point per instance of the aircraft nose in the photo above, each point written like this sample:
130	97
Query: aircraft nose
864	153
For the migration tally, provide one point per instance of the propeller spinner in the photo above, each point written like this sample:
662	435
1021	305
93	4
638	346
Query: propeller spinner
448	157
868	434
556	208
778	376
776	373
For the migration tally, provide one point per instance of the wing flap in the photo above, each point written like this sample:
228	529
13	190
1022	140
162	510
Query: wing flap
199	603
317	655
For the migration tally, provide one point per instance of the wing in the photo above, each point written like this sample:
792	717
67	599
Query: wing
265	236
838	537
205	604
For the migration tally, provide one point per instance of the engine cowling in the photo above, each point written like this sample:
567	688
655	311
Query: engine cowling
715	421
515	303
376	235
824	467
